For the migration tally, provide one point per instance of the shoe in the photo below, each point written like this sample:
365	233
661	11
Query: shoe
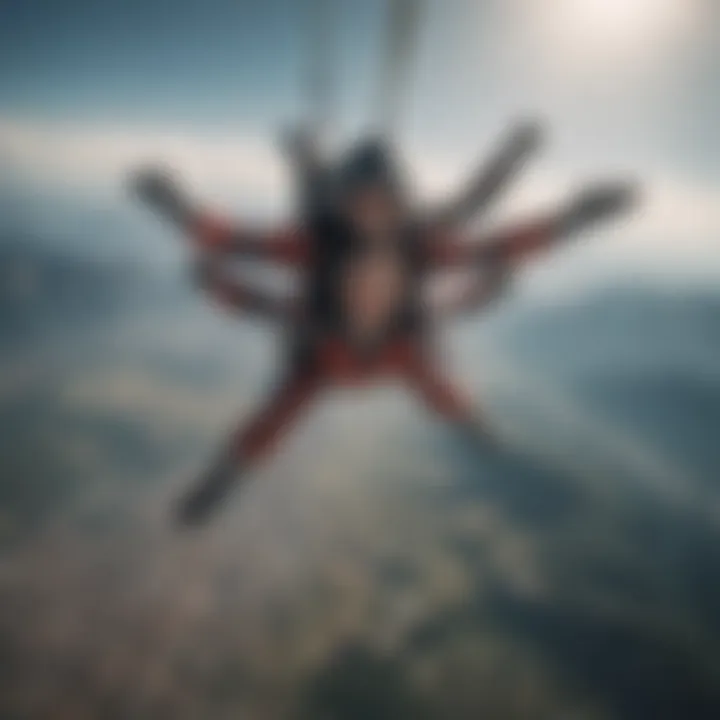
203	498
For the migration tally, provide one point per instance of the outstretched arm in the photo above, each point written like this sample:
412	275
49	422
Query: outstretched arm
309	169
160	191
235	295
514	244
491	178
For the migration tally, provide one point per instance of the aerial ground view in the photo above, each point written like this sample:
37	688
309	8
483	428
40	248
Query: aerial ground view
360	360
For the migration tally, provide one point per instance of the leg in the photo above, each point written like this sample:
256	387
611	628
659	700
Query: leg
441	396
247	446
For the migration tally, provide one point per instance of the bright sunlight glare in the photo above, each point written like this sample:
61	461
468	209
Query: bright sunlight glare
618	37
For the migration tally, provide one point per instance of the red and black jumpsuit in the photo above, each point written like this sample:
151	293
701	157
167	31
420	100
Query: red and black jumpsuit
322	357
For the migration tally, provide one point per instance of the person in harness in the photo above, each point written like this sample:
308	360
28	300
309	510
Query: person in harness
365	259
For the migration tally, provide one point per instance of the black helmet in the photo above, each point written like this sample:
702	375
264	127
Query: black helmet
370	162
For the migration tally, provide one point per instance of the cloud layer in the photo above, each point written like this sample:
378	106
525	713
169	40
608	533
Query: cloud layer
677	226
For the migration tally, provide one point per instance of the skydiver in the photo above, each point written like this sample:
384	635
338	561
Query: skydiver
362	314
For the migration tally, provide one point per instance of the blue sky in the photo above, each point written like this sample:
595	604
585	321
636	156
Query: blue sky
241	62
215	63
87	89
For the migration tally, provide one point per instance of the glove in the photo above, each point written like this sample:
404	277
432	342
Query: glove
598	203
157	188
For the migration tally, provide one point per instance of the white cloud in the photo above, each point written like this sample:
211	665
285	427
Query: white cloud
677	224
83	158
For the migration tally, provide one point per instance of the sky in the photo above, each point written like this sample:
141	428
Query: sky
624	87
542	579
